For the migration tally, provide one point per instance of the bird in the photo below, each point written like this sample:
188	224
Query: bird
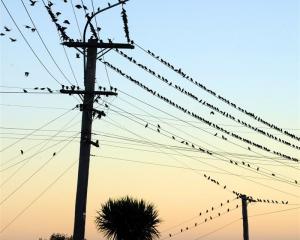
77	55
158	125
84	7
66	22
33	29
219	214
2	34
173	137
32	3
49	90
170	235
22	152
216	134
158	130
54	154
7	29
228	210
224	186
249	148
58	13
36	88
26	26
196	224
26	74
13	39
212	113
181	230
78	6
25	91
146	125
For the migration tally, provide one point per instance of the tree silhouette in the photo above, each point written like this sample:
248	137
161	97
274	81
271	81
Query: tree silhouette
128	219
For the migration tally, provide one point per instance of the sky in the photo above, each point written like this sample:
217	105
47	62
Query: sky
246	51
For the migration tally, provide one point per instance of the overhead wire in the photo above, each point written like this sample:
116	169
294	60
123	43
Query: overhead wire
185	76
28	44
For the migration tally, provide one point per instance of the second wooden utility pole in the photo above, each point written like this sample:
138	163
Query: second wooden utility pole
245	217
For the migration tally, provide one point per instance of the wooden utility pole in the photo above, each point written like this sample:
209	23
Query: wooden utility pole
245	217
87	109
85	140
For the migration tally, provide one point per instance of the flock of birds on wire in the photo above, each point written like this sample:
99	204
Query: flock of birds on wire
186	76
209	123
65	37
211	106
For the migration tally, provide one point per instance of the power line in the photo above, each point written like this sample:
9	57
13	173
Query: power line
44	125
196	116
35	172
38	197
28	44
185	76
202	101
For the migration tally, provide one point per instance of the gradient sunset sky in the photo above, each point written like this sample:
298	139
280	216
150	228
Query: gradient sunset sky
246	51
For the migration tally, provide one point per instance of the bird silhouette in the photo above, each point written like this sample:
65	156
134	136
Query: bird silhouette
2	34
58	13
13	39
54	154
66	22
7	29
158	130
212	113
146	125
32	3
77	55
22	152
36	88
26	26
25	91
33	29
173	137
249	148
26	74
216	134
78	6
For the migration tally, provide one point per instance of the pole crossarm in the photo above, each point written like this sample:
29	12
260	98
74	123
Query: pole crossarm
105	93
98	45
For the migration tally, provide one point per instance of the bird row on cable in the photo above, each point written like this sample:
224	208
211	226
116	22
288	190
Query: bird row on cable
209	123
205	103
184	75
173	103
206	220
6	31
185	111
39	88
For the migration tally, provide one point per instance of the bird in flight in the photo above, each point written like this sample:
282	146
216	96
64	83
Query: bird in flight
66	22
32	3
2	34
13	39
7	29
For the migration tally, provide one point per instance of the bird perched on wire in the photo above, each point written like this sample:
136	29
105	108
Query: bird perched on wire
25	91
26	74
146	125
22	152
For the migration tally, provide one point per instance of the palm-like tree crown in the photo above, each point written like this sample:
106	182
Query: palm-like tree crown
128	219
